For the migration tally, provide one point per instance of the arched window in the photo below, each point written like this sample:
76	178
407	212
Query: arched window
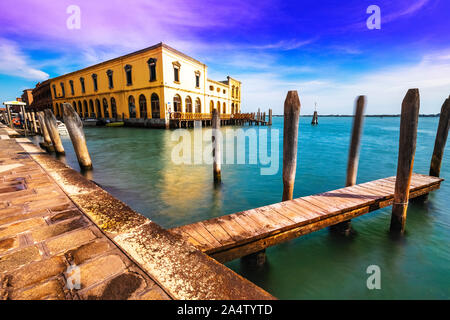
188	104
232	91
218	106
131	107
211	106
142	107
85	109
198	106
91	109
113	108
105	108
98	108
232	108
83	88
74	105
56	110
224	108
155	106
176	103
152	68
80	109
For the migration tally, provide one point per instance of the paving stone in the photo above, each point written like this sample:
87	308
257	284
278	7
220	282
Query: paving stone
155	293
98	269
58	229
120	287
70	241
89	250
16	259
21	226
37	272
52	288
64	216
8	244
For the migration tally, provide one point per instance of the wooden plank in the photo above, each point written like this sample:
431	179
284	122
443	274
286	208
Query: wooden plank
284	208
233	229
217	232
200	229
310	209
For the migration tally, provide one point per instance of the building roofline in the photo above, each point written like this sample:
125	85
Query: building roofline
158	45
217	82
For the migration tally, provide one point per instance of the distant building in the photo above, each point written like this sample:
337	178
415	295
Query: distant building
42	96
148	87
27	97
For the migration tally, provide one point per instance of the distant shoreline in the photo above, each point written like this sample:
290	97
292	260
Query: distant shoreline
367	115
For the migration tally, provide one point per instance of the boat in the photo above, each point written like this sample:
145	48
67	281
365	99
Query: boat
89	122
62	128
115	124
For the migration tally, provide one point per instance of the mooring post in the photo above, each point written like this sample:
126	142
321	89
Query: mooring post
441	139
290	141
8	111
44	131
75	127
407	149
345	227
33	119
216	146
270	117
50	122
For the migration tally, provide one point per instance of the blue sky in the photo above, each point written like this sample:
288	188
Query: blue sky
323	49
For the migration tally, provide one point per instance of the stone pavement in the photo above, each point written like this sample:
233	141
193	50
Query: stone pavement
43	233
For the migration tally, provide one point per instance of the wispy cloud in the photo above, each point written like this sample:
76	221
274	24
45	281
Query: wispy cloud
14	63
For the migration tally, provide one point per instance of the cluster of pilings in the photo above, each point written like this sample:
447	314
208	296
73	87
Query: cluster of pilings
407	147
47	127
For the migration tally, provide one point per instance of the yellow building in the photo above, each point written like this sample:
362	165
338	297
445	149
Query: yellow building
147	87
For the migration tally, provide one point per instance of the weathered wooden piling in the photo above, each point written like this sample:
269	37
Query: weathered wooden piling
315	119
441	139
50	122
216	146
33	121
44	131
270	117
290	141
74	126
407	149
345	227
8	111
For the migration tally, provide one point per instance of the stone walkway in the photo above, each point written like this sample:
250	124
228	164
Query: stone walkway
43	233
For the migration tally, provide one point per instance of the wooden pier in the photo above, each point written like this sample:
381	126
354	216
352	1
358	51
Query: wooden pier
186	119
236	235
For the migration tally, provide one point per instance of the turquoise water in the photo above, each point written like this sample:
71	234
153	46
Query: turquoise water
135	165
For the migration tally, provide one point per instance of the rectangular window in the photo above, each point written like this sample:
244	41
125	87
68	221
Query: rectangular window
83	89
54	90
71	87
197	81
109	73
128	74
153	72
176	74
94	79
62	89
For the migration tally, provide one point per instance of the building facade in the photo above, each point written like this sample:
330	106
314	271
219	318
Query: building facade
42	97
150	86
